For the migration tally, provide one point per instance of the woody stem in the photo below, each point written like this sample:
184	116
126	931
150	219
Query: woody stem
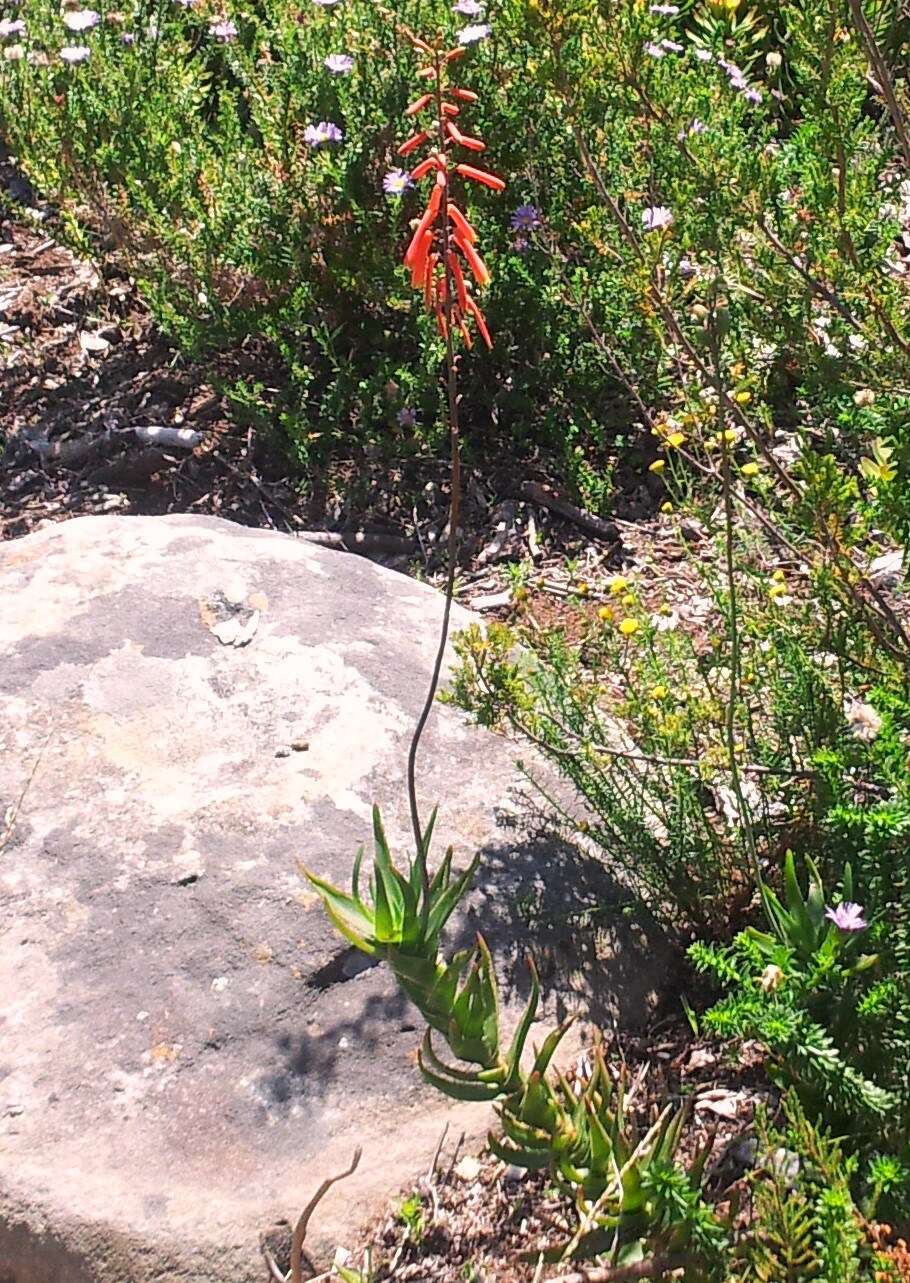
451	372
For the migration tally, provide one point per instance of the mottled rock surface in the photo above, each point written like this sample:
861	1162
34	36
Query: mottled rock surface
188	708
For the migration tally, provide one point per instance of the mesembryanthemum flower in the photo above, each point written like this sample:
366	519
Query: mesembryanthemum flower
324	132
656	217
74	54
477	31
339	64
223	29
847	916
81	19
11	27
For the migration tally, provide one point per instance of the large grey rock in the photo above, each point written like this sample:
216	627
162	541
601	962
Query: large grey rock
186	1049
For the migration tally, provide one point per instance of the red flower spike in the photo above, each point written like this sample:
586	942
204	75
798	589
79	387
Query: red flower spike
454	132
413	143
432	263
423	101
449	109
475	262
481	176
458	277
466	95
472	144
461	223
480	323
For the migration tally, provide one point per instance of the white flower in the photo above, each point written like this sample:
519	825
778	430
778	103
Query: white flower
81	19
11	27
477	31
862	719
656	217
74	53
14	53
665	623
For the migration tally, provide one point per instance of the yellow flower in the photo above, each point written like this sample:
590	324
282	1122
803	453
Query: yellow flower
606	614
618	584
582	588
729	435
629	627
778	576
658	465
659	692
742	398
666	507
676	439
749	469
629	599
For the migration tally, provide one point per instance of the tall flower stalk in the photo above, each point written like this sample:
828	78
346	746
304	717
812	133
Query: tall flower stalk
444	263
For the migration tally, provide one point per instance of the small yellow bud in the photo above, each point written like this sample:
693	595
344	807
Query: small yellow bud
729	435
618	584
666	507
676	439
658	465
582	588
778	576
629	599
659	692
606	614
743	398
749	469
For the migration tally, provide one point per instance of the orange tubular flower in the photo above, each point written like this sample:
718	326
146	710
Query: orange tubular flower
480	322
443	239
461	223
413	143
423	101
461	289
481	176
475	262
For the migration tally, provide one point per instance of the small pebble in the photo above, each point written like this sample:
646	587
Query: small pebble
282	752
300	746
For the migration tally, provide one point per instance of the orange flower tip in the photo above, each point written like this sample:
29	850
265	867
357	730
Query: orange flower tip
454	54
412	143
472	144
417	42
454	132
466	95
418	105
425	72
481	176
449	109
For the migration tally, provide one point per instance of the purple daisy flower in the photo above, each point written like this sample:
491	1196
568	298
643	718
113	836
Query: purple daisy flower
81	19
703	55
653	50
11	27
656	217
339	63
672	46
753	96
74	53
127	38
468	8
396	182
406	417
525	219
665	10
324	132
471	35
847	916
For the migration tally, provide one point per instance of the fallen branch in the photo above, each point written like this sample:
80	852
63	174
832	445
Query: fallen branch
578	516
360	541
